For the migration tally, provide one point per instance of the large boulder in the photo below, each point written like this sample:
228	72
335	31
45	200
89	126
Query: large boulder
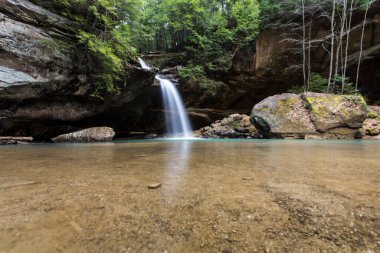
310	115
282	115
94	134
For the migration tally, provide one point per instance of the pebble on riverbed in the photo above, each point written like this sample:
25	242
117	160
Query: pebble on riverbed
154	186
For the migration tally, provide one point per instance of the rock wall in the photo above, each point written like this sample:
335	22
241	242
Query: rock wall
275	63
41	86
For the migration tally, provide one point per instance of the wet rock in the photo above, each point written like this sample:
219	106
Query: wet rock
336	133
94	134
233	126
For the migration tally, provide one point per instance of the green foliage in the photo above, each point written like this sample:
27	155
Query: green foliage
195	77
318	83
56	45
103	29
207	30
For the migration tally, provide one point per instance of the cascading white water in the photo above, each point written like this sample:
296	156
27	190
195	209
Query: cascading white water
177	121
143	64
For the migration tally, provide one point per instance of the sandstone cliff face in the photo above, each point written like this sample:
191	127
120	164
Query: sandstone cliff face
40	83
274	64
31	54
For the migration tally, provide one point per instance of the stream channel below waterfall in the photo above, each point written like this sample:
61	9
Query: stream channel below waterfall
211	196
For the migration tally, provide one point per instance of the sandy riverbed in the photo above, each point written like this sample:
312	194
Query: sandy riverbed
248	196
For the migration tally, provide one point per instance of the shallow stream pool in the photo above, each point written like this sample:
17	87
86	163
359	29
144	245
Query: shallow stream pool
208	196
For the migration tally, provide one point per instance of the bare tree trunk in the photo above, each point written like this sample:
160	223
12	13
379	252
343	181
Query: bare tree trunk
343	26
347	42
361	44
303	45
309	56
332	46
340	42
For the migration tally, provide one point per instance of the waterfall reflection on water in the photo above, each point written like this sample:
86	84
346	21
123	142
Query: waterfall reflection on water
176	164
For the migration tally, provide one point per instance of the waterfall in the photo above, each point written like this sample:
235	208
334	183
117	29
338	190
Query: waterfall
143	64
177	121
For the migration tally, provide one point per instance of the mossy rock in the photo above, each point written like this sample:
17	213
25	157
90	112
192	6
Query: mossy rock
371	127
329	111
283	114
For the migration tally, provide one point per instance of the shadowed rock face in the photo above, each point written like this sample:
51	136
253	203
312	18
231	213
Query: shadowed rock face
40	83
310	115
273	64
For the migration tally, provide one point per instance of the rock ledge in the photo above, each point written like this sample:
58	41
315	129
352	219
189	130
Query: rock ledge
94	134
